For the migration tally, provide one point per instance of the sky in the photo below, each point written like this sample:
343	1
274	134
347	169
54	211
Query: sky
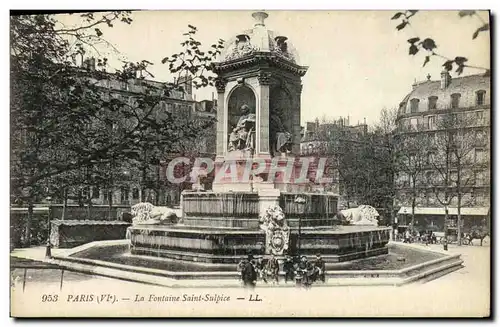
358	62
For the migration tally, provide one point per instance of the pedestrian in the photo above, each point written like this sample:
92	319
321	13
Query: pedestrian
407	236
289	269
260	267
273	268
320	266
249	274
241	267
302	272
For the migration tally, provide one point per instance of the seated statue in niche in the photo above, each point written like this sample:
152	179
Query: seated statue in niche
281	139
243	135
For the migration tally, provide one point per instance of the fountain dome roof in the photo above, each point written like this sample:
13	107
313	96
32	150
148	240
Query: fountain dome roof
259	39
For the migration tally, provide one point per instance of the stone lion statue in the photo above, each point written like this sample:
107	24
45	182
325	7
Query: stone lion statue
145	213
362	215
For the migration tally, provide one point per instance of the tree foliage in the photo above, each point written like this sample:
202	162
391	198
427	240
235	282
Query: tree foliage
429	47
69	125
363	160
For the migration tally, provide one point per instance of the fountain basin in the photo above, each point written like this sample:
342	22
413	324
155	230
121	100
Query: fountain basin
229	245
112	259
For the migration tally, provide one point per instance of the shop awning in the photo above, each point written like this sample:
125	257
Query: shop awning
478	211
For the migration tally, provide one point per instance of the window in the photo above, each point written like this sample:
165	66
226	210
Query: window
135	193
431	122
430	158
402	108
479	116
414	105
453	177
86	192
170	107
455	100
106	194
432	139
480	137
124	194
95	192
480	97
163	106
480	178
414	123
480	156
432	103
428	177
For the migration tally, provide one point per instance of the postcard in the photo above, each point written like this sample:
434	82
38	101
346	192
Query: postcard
250	164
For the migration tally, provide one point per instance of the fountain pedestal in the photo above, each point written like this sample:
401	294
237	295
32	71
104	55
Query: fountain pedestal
259	85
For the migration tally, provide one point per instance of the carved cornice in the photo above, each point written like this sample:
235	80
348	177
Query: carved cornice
220	85
260	57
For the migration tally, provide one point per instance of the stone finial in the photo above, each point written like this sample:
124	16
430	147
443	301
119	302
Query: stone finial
259	17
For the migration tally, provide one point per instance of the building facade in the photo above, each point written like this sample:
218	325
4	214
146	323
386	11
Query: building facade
330	140
425	111
151	184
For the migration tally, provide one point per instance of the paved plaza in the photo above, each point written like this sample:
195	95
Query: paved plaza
463	292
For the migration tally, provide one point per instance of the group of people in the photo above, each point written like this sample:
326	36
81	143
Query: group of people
297	268
408	237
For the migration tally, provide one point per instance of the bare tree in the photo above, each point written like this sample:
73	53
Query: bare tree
411	151
442	163
460	134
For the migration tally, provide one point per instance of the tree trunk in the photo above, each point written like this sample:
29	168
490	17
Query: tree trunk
157	186
110	202
459	218
89	207
445	243
28	224
413	204
65	204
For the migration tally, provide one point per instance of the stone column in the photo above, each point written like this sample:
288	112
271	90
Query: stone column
296	121
220	84
263	115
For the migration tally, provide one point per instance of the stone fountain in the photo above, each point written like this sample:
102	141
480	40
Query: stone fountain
263	204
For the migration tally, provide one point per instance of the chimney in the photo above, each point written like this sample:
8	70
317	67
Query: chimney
310	127
445	79
414	85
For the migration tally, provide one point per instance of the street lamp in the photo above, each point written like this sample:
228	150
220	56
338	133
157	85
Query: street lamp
300	200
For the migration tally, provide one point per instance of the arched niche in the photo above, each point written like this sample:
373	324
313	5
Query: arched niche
239	96
280	113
